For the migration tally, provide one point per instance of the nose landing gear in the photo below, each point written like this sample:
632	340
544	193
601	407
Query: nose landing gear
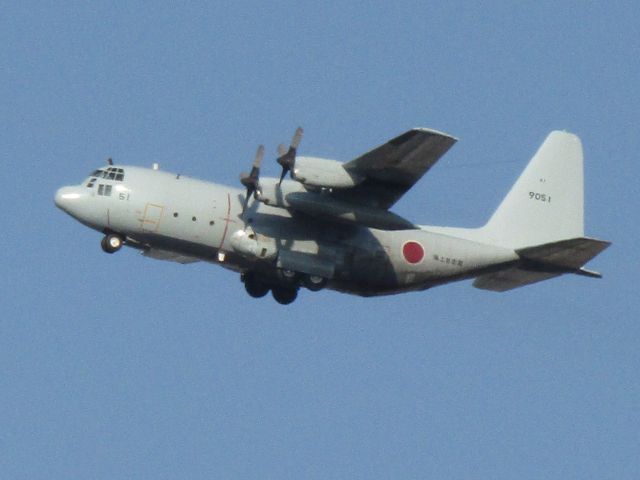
112	242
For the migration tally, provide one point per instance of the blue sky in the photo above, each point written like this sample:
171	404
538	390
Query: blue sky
117	366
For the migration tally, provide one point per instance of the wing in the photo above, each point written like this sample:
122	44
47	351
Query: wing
393	168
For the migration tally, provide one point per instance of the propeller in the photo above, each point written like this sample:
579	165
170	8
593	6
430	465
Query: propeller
287	158
251	179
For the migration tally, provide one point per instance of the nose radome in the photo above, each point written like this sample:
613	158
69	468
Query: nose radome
64	196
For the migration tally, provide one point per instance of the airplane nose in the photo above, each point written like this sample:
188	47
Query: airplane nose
64	196
58	198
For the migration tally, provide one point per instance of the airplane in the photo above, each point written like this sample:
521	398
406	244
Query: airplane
330	226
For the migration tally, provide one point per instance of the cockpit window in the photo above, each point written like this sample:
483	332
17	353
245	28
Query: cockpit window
104	189
111	173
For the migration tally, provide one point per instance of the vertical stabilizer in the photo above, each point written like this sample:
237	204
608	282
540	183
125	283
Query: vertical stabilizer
546	204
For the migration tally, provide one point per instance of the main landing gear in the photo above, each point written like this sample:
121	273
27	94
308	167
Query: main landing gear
112	242
256	288
284	295
314	283
285	291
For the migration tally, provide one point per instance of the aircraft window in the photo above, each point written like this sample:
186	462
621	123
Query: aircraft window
104	190
112	176
193	218
175	214
96	173
211	222
119	176
91	182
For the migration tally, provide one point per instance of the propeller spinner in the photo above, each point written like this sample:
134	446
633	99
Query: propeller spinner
287	159
251	180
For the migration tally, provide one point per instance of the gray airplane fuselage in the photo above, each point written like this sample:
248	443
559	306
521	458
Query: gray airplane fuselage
175	217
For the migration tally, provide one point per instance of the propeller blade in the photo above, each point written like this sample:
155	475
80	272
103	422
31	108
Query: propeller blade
259	156
246	200
296	138
287	159
283	174
251	180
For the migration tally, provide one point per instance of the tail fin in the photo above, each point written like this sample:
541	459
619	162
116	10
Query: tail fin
546	204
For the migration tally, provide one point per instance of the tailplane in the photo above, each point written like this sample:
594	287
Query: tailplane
543	262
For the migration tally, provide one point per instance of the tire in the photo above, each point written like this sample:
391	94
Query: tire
314	283
288	277
111	243
255	288
284	295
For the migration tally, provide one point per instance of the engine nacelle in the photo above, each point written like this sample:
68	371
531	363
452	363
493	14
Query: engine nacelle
322	172
255	247
272	192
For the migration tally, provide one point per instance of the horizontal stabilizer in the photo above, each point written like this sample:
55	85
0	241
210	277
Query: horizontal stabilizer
543	262
569	255
510	279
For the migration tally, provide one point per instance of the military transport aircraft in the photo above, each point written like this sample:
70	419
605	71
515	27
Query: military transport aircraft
330	224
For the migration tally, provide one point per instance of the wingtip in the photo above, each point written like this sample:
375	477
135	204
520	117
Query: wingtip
588	273
435	132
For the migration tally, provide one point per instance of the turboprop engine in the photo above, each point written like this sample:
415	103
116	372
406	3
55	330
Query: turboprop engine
322	173
250	245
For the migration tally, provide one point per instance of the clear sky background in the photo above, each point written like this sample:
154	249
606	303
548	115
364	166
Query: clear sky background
118	366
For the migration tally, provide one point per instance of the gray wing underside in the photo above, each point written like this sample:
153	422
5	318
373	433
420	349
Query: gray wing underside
391	169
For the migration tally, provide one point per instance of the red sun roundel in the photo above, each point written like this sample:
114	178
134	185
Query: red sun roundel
413	252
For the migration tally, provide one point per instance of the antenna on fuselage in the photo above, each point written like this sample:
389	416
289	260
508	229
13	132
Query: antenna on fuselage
110	161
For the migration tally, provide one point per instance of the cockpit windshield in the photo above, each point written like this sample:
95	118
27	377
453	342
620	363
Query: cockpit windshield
111	173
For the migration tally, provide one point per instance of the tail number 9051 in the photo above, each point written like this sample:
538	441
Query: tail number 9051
540	197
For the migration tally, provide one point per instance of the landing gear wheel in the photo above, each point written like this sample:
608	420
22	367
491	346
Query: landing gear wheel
255	288
314	282
111	243
284	295
287	276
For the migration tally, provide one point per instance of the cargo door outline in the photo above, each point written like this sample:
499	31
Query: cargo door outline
152	216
